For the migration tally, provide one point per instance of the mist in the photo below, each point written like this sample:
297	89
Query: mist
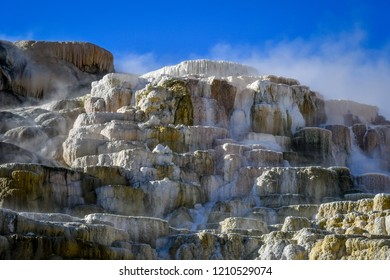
134	63
337	66
13	38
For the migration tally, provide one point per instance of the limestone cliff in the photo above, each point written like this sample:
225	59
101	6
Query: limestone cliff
348	112
85	56
204	68
202	160
38	69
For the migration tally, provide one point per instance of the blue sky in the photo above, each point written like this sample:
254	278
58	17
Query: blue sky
339	48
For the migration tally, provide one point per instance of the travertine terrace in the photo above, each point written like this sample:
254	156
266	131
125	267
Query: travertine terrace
200	160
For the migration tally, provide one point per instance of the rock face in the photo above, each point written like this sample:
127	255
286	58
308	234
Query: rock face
314	146
85	56
37	69
202	160
348	112
204	68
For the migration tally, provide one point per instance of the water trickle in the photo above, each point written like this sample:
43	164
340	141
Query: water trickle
359	162
200	214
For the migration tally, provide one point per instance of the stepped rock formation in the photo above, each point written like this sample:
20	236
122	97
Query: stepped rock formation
202	160
203	68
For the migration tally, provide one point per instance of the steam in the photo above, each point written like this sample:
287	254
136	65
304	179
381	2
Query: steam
136	63
339	67
371	164
13	38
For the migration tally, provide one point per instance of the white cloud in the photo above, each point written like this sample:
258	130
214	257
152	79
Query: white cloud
338	67
136	63
12	38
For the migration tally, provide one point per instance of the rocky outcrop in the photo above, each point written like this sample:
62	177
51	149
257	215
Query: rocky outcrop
85	56
373	182
314	146
373	142
299	185
282	109
58	236
38	69
38	132
202	160
140	229
204	67
32	187
341	144
10	153
348	112
185	101
111	93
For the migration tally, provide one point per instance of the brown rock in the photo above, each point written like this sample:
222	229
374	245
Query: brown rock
224	93
314	146
39	69
341	140
85	56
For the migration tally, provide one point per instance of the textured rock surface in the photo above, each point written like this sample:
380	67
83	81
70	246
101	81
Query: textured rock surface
202	160
314	146
41	69
204	67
